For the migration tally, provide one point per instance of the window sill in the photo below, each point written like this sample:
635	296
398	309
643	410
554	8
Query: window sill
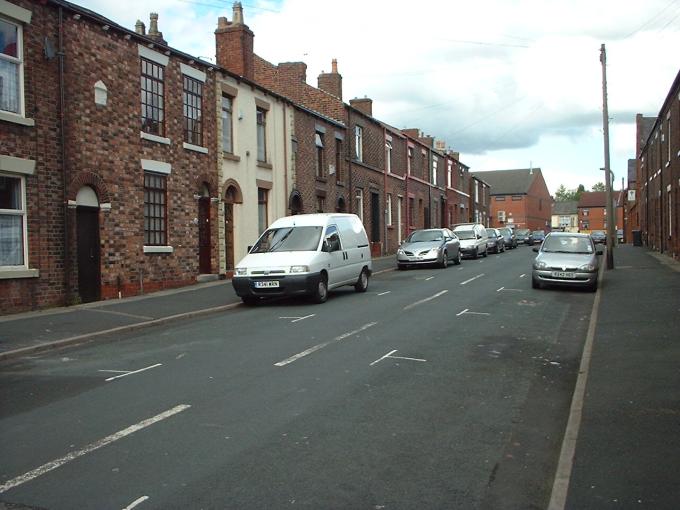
16	119
158	249
230	156
264	164
8	274
321	180
154	138
340	183
195	148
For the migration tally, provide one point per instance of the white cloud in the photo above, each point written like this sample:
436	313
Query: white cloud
504	82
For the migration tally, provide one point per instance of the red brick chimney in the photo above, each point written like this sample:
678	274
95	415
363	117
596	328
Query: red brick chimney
364	105
331	82
234	43
293	72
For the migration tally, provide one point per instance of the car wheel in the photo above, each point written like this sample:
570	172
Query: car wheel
593	287
503	249
486	252
362	283
249	300
475	254
445	260
321	293
457	259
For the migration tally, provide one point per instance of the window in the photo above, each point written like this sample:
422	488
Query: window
320	204
585	212
359	142
360	204
388	156
409	162
11	68
261	209
516	198
193	97
426	166
449	172
476	191
261	134
586	225
388	221
227	124
411	207
435	162
565	221
153	119
669	138
338	159
12	222
500	199
155	209
318	162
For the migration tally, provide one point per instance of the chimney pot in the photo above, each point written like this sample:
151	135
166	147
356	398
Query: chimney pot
140	28
334	65
238	13
222	22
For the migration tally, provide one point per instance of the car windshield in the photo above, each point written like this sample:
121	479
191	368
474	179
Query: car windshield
538	233
567	244
522	232
598	233
490	232
423	236
465	234
288	239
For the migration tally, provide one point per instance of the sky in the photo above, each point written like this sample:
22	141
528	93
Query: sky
507	83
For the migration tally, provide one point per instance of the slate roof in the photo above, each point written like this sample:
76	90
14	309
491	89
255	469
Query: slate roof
509	182
632	172
593	199
565	207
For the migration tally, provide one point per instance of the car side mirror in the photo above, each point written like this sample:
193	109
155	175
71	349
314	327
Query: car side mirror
536	248
478	236
249	248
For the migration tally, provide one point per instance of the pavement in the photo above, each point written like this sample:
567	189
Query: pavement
626	446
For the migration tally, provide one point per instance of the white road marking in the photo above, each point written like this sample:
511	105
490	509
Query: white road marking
133	372
522	275
389	355
136	502
471	279
461	313
425	300
467	310
383	293
50	466
510	290
430	278
498	290
304	353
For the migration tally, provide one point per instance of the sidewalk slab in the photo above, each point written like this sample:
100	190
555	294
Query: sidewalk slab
628	449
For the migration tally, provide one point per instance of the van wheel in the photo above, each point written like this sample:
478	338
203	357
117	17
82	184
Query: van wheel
457	259
321	293
249	300
445	260
362	283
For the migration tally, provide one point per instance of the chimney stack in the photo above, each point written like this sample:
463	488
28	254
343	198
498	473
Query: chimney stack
234	43
364	105
331	82
153	29
140	28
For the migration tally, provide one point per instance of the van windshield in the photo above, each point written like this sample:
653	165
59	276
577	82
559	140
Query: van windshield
288	239
465	234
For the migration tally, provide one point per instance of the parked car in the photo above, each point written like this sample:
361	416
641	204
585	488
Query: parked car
429	246
523	235
495	241
305	254
473	239
537	237
567	259
599	236
509	237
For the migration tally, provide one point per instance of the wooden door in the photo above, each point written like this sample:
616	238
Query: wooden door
204	235
87	231
229	235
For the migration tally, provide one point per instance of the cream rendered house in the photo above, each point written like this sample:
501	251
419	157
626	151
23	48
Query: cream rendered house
254	138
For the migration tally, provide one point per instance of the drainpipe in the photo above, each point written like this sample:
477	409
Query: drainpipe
64	170
285	155
384	251
349	159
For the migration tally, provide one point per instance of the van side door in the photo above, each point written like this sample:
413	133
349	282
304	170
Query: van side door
335	255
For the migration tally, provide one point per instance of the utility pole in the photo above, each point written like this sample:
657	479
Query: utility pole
608	180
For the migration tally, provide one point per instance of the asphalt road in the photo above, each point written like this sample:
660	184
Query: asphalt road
438	388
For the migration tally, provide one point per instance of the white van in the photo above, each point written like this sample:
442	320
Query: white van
305	254
473	239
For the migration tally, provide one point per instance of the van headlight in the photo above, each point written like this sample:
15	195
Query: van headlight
299	269
241	271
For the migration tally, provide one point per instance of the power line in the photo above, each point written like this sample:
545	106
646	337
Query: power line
652	19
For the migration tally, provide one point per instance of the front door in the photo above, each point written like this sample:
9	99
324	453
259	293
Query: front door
87	229
375	217
204	235
229	235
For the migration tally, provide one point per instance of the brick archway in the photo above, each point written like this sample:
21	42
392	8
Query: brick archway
94	181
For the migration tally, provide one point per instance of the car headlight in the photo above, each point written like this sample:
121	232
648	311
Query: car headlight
241	271
540	265
434	251
400	251
587	267
299	269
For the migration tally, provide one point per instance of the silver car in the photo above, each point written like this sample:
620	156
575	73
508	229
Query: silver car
430	246
566	259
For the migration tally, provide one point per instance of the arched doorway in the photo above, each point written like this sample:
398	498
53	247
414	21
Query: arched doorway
295	202
205	266
87	241
230	198
341	207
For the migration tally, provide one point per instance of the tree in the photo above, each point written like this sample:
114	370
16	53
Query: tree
598	186
563	194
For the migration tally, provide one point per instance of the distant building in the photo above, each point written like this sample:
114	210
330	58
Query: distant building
592	211
565	216
518	197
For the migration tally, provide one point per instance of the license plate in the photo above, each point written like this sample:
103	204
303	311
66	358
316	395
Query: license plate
562	274
268	284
